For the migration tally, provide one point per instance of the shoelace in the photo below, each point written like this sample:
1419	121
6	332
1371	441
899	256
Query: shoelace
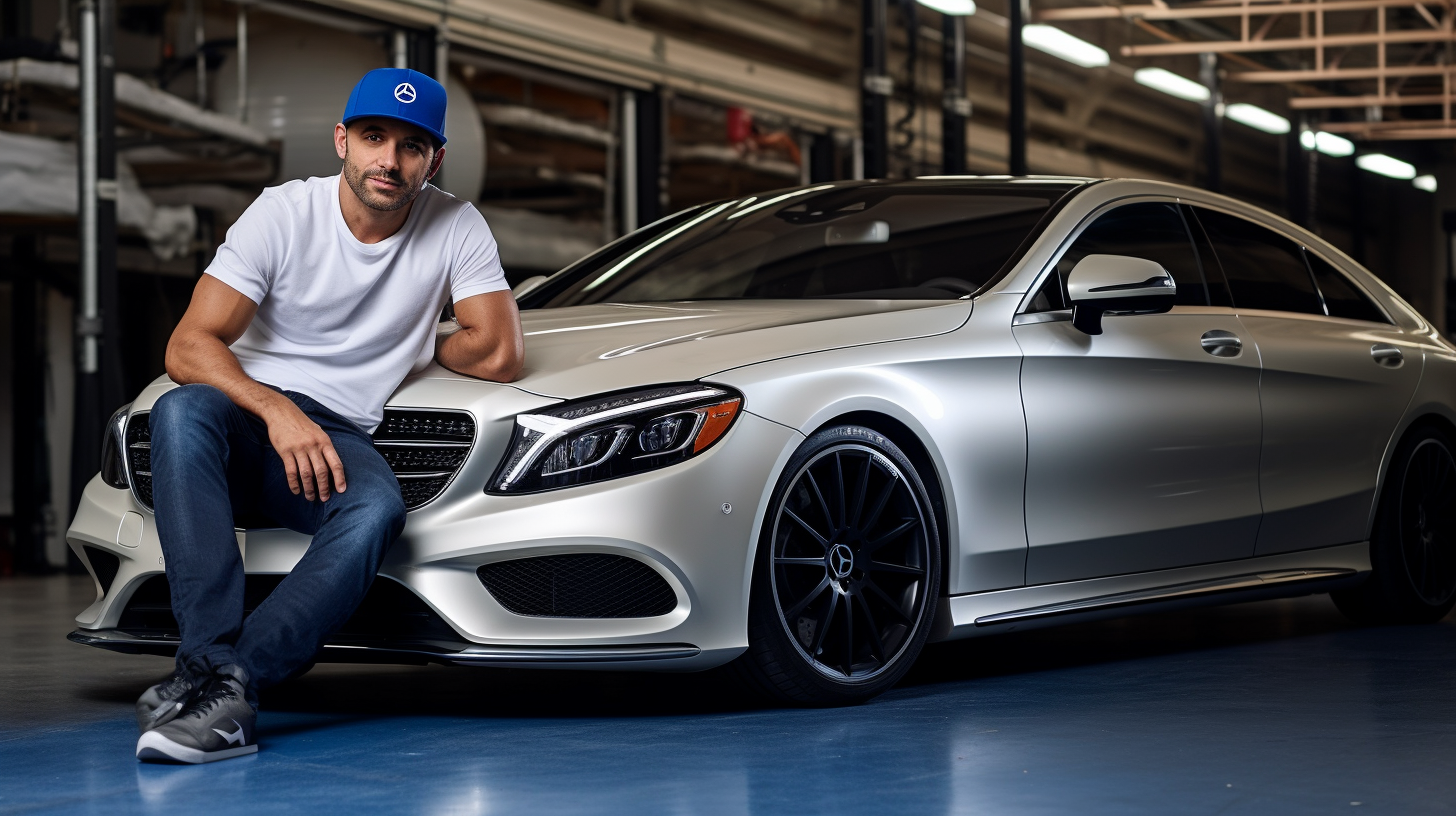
213	694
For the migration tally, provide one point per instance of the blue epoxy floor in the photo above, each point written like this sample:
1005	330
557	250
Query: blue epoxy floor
1269	708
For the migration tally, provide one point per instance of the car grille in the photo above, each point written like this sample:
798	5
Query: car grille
424	448
588	585
139	457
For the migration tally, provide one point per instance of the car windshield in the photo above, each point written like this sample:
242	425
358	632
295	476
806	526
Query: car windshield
867	241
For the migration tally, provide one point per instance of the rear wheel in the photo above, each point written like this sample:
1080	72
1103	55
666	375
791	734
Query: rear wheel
847	572
1413	547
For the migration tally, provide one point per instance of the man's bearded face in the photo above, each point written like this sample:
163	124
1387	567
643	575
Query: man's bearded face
386	164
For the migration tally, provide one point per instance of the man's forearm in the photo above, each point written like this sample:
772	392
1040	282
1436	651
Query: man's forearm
200	357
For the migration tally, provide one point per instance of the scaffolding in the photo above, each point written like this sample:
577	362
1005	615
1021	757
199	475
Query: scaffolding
1391	58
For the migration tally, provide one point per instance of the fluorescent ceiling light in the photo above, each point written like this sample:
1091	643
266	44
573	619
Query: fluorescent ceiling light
1059	43
1257	118
955	8
1427	183
1326	143
1170	83
1386	166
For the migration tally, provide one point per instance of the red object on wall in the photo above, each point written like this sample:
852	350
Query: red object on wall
740	125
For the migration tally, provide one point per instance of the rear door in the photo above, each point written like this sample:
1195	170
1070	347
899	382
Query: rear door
1338	375
1142	443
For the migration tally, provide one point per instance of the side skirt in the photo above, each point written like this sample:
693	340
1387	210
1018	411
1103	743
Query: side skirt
1275	576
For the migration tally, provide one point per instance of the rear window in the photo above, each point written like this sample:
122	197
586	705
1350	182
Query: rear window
868	242
1342	297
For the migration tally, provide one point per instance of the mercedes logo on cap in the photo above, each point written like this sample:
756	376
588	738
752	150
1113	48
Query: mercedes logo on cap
404	92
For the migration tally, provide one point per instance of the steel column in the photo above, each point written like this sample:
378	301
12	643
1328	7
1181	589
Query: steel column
1212	122
875	88
99	381
955	108
1016	85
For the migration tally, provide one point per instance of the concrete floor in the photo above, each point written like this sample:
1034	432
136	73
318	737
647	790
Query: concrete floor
1271	708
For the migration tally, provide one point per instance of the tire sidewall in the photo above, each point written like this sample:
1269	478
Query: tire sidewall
1389	594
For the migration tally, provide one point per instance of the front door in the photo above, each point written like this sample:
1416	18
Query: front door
1142	442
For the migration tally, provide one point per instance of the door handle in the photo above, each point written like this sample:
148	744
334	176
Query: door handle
1221	343
1387	355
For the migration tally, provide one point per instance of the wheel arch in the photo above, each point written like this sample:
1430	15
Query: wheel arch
1434	415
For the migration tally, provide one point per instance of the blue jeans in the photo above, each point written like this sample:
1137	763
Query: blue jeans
211	460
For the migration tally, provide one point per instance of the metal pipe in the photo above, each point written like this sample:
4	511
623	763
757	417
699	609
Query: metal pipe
875	89
89	327
442	52
955	107
609	175
629	161
1212	122
1016	88
242	62
199	36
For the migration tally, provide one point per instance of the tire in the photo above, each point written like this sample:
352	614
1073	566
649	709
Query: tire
1413	545
844	589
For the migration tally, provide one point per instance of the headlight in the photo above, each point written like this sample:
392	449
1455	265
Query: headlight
113	449
614	435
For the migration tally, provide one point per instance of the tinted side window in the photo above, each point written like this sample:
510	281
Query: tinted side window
1152	231
1342	298
1218	293
1264	269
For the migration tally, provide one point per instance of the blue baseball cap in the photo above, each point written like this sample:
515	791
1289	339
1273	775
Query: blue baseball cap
399	93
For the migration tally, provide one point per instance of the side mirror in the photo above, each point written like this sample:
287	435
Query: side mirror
1117	283
527	285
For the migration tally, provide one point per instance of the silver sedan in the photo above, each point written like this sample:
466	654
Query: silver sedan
806	432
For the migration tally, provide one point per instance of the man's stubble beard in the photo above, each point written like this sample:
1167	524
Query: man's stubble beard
356	179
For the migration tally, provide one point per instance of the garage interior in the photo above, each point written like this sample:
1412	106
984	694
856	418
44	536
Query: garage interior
574	122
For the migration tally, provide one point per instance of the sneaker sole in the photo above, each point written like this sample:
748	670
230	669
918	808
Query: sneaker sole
154	747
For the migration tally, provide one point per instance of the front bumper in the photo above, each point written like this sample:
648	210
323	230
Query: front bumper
673	520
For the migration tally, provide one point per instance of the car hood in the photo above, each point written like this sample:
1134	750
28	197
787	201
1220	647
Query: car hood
582	350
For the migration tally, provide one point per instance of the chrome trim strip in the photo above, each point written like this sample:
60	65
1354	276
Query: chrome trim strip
431	475
392	443
1168	593
473	655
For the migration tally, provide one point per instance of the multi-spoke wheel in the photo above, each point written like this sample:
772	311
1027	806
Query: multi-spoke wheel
1413	548
848	572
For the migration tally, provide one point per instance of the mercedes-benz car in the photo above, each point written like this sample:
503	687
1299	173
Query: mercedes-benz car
805	432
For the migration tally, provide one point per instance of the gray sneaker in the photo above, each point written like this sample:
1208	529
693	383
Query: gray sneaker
161	703
218	724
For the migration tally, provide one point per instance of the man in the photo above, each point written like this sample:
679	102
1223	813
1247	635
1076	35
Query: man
324	297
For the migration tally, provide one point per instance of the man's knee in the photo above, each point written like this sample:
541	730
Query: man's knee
373	506
188	406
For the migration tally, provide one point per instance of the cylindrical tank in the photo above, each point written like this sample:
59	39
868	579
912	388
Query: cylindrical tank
299	77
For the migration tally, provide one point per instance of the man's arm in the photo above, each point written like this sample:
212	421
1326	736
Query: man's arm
489	344
198	353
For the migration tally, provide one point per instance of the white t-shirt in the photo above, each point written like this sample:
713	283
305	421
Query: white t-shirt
343	321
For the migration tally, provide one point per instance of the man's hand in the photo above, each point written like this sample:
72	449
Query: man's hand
307	452
489	344
198	353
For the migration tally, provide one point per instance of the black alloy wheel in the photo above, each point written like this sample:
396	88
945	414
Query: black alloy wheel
848	572
1413	548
